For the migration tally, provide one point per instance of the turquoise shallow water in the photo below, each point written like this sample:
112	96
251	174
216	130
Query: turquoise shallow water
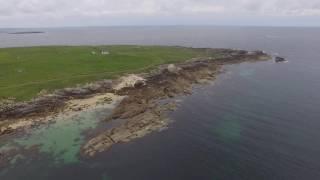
257	121
59	141
62	139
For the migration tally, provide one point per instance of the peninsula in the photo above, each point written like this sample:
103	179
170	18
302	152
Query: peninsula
39	84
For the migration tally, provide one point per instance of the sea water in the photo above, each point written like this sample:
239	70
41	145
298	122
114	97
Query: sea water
257	121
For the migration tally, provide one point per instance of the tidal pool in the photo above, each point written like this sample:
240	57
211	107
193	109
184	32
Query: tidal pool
59	141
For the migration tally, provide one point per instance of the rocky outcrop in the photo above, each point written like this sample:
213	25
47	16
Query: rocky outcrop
143	91
131	80
52	103
143	109
140	124
173	69
280	59
6	130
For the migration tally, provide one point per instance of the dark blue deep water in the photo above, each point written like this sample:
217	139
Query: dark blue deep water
257	121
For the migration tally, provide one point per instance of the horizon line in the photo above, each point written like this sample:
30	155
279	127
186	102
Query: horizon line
163	25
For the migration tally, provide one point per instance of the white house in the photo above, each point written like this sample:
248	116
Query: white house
104	52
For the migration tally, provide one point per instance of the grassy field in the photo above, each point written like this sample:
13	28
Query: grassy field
24	72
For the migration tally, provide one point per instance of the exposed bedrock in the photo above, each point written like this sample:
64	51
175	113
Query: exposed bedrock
51	103
145	106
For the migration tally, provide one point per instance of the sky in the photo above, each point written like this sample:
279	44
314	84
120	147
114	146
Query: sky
58	13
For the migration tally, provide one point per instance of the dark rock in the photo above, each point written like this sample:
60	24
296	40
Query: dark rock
75	92
279	59
4	131
255	53
36	106
139	84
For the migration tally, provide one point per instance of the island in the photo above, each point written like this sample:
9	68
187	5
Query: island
139	83
27	32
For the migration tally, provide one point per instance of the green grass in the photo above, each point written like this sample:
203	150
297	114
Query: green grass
24	72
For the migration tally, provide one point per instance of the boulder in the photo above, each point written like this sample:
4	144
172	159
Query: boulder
74	92
173	68
128	82
93	87
139	84
279	59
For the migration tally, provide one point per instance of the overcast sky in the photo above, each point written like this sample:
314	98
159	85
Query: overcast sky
47	13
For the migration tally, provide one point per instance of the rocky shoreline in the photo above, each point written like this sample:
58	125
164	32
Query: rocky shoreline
143	108
147	98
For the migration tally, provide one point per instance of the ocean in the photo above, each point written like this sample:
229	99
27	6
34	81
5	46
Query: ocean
256	121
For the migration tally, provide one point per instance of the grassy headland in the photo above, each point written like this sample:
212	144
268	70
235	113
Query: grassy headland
24	72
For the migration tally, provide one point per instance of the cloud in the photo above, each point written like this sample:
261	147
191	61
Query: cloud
13	10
